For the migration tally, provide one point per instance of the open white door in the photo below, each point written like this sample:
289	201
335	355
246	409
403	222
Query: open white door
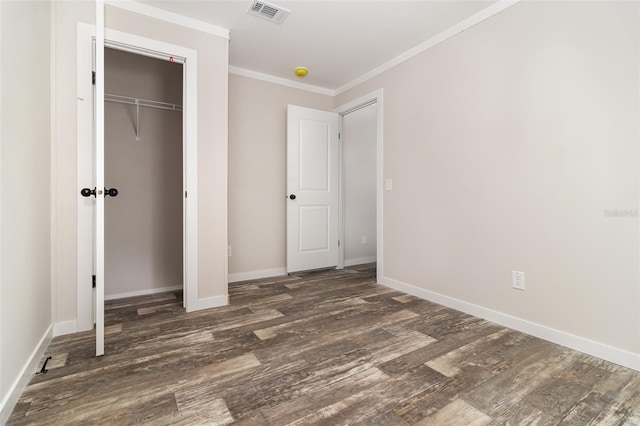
312	189
99	168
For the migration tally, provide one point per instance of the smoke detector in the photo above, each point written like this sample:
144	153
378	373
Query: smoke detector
268	11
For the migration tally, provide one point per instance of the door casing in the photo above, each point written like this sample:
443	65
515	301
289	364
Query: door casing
85	125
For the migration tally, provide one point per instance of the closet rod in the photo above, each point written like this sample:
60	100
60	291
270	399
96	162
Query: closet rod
142	102
138	103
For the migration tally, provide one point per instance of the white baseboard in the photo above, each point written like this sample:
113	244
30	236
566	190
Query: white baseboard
30	367
142	292
211	302
256	275
360	260
587	346
65	327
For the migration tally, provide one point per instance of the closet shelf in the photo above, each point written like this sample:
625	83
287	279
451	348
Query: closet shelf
140	103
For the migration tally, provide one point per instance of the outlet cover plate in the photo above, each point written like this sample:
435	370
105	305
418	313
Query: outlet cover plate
517	280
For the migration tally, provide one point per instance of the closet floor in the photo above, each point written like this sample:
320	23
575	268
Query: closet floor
328	347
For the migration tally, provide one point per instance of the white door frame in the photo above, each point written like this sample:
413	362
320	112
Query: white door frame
153	48
376	96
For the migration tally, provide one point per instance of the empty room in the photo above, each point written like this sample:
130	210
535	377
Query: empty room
319	212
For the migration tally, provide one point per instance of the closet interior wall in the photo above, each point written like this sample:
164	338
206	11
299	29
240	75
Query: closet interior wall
143	224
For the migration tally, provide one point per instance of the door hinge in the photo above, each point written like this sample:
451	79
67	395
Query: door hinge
185	194
339	135
93	78
93	281
338	243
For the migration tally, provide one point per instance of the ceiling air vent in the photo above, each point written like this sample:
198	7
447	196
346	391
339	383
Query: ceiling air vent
268	11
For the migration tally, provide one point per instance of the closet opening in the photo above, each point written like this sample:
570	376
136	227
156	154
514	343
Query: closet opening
143	160
361	181
359	188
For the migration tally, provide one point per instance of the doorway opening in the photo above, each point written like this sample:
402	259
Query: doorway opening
359	184
316	156
143	161
375	98
89	301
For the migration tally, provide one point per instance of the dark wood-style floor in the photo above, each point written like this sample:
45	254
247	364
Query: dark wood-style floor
328	347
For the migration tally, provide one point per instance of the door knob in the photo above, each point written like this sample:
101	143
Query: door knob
292	196
87	192
112	192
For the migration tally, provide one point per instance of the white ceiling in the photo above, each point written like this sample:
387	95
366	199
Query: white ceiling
338	41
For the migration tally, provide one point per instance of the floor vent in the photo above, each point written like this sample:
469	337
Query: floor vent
268	11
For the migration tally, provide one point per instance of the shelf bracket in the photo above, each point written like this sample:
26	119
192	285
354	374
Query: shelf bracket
137	120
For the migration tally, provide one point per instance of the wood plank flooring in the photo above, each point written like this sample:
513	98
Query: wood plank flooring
326	347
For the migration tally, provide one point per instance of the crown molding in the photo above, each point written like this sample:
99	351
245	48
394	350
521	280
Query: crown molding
163	15
474	19
279	80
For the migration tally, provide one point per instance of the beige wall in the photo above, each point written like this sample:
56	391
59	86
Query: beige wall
25	219
143	224
508	145
257	170
212	145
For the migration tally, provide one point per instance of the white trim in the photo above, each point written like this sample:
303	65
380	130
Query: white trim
65	327
378	95
190	176
212	302
22	380
2	404
465	24
360	260
147	46
590	347
145	292
341	233
99	167
279	80
53	161
167	16
256	275
638	159
225	211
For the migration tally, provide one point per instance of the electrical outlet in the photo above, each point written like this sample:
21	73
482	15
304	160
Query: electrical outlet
365	239
229	251
517	280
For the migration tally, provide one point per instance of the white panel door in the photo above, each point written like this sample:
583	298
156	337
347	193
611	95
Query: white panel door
312	189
